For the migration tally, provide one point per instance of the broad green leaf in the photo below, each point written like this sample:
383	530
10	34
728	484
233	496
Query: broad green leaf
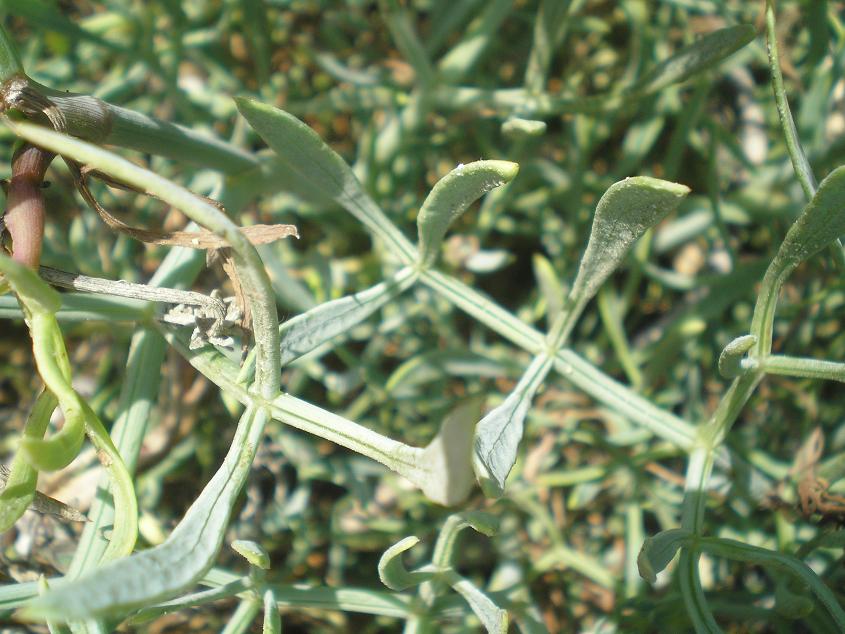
698	56
392	571
624	213
658	551
445	462
451	196
821	222
303	153
737	551
253	552
19	491
10	61
499	433
174	566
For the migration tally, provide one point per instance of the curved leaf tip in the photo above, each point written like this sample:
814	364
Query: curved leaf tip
451	196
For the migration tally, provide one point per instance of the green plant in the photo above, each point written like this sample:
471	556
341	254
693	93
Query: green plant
104	587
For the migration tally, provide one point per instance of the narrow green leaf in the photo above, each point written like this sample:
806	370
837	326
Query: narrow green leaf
737	551
452	195
499	433
392	571
19	491
821	222
319	168
698	56
658	551
272	620
444	548
492	617
174	566
253	552
10	61
307	331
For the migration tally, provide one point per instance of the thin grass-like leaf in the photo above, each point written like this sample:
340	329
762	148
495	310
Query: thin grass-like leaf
19	490
452	195
695	58
738	551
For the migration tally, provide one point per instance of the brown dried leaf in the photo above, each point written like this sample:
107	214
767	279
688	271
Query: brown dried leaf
201	239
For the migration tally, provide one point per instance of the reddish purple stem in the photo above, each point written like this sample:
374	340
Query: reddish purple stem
25	210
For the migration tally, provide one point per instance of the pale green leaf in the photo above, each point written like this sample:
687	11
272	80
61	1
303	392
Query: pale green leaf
174	566
319	168
452	195
499	433
253	552
307	331
626	210
492	617
392	571
658	551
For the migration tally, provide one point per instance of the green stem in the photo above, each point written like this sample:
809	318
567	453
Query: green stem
10	61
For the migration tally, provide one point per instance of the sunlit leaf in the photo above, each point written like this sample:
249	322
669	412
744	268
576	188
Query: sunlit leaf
320	169
499	433
392	571
452	195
